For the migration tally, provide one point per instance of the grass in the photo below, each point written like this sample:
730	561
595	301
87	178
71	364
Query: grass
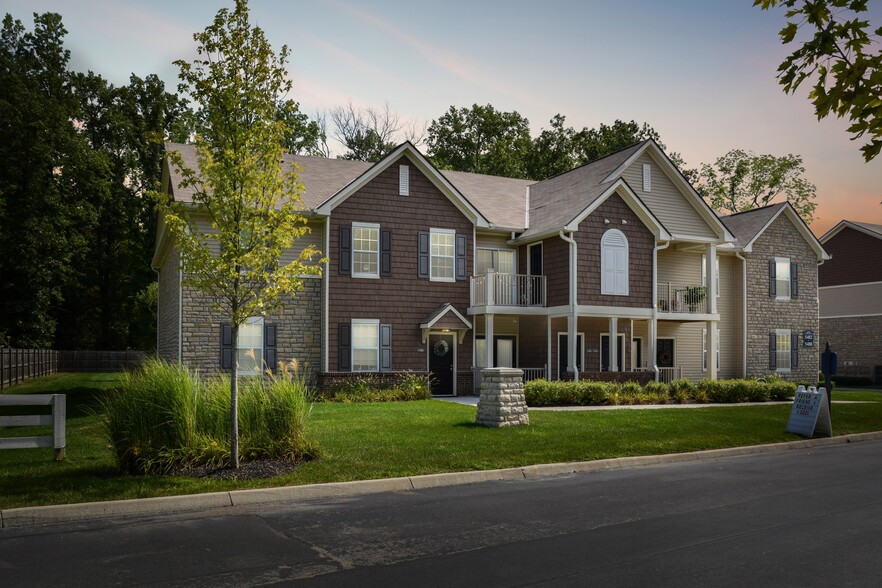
364	441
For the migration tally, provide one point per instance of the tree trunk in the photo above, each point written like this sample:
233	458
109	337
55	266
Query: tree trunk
234	400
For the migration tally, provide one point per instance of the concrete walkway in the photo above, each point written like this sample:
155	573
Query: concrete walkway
145	507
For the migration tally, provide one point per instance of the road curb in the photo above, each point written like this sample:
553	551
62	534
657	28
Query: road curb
67	513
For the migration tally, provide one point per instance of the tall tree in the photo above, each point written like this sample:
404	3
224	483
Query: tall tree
553	150
44	168
482	140
369	134
251	200
842	59
302	136
741	180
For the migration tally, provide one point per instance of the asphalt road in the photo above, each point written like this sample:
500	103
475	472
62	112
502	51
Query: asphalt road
808	517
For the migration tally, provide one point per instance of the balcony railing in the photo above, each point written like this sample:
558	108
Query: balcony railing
682	298
498	289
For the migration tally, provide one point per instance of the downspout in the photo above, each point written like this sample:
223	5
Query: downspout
573	266
743	313
181	313
654	329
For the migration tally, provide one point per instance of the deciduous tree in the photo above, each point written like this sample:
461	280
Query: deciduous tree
842	59
251	200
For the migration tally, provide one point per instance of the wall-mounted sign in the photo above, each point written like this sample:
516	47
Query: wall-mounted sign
808	338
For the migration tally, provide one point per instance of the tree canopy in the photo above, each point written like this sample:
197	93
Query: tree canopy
842	59
741	180
251	200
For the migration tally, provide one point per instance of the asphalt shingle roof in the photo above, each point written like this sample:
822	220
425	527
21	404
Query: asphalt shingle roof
744	226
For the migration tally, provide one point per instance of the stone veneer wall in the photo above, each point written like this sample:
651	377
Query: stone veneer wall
167	308
298	329
502	402
765	314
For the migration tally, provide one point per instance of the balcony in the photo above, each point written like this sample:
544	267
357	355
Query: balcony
497	289
679	298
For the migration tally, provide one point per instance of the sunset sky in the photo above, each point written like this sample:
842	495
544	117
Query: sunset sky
701	72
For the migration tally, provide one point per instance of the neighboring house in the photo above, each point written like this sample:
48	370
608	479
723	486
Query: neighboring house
850	290
450	272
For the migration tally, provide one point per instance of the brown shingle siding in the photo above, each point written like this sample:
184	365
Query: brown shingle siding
402	300
857	258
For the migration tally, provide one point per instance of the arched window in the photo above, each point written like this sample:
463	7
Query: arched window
614	263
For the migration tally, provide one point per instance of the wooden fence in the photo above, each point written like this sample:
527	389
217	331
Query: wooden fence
17	365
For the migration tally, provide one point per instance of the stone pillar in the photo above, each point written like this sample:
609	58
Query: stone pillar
501	403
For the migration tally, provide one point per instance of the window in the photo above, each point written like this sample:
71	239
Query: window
647	177
614	263
500	260
249	351
443	255
783	278
365	250
403	180
365	345
704	274
704	350
781	347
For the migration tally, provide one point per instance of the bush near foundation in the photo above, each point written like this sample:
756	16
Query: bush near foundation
164	417
588	393
365	388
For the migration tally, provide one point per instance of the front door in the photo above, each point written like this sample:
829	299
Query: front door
604	353
536	291
441	364
664	355
563	350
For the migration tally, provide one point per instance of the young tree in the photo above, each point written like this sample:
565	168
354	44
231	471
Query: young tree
251	200
844	60
741	180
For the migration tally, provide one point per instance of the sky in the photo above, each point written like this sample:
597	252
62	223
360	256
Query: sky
701	72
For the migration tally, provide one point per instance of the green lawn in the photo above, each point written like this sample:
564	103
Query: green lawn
362	441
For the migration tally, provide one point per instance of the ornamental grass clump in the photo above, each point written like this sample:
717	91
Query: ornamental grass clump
164	418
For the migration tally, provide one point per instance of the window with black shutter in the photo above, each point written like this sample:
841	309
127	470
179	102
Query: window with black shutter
385	348
269	346
461	257
344	347
385	252
345	258
423	266
226	347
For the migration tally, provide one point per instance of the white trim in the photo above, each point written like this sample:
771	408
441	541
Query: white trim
607	288
352	324
527	209
419	161
789	333
743	313
251	320
579	335
647	177
432	256
717	272
785	261
449	308
180	308
704	350
673	359
847	316
850	285
642	350
371	226
697	202
326	294
404	180
633	201
514	253
614	311
530	258
517	345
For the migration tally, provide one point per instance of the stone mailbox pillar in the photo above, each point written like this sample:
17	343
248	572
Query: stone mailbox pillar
502	403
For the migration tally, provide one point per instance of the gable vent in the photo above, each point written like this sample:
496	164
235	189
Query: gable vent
647	177
404	180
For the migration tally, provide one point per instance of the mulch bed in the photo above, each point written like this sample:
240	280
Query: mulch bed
248	470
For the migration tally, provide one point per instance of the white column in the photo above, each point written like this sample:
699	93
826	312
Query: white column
711	346
548	350
652	335
613	344
710	260
571	344
488	339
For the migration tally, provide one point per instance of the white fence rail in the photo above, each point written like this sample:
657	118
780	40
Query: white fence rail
56	420
669	374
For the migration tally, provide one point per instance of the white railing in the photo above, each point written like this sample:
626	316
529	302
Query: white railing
498	289
681	298
534	373
669	374
56	420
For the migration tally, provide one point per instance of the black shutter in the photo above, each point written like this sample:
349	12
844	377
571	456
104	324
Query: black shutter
461	257
773	348
794	349
794	280
385	348
772	289
345	261
385	252
226	347
269	346
344	347
423	269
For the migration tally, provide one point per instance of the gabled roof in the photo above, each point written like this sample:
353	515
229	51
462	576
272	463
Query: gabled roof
866	228
747	227
439	313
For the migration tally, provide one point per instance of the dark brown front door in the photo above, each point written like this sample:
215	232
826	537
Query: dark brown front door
664	355
441	364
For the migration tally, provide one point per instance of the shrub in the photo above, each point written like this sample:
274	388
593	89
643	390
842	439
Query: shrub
367	388
163	417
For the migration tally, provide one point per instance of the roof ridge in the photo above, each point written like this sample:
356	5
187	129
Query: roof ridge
593	161
755	209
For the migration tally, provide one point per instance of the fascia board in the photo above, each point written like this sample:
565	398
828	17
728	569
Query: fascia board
442	314
634	203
